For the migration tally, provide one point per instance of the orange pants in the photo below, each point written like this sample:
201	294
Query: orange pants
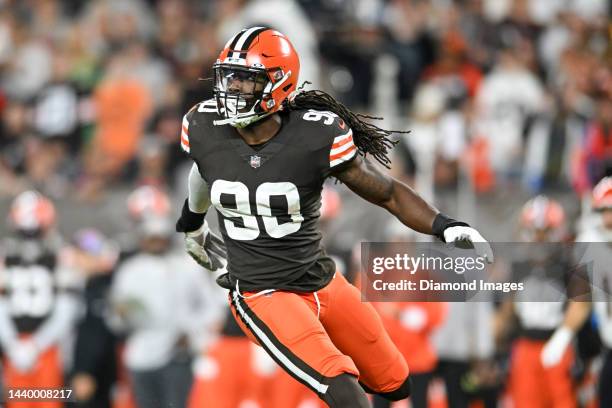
46	373
316	336
532	385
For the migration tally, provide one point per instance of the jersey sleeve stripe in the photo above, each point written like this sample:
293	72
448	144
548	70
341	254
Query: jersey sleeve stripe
184	139
342	157
185	135
341	149
339	140
337	146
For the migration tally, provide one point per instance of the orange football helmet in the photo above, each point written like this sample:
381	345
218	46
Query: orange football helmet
256	71
602	195
542	216
148	201
31	213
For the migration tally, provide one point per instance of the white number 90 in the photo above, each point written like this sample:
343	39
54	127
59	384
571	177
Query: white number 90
263	194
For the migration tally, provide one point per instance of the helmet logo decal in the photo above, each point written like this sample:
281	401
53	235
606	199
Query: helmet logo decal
278	75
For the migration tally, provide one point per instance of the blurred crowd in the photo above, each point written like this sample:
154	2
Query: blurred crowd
505	99
510	91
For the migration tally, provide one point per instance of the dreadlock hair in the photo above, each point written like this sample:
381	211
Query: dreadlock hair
369	138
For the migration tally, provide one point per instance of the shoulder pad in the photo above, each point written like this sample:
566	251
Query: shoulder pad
207	106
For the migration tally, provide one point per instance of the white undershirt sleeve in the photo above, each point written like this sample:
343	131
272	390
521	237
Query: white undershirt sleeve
199	198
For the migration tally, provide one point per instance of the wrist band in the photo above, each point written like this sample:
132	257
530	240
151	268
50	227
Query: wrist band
442	222
189	221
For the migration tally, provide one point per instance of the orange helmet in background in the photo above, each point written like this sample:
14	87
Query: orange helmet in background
602	195
32	213
542	215
148	201
266	61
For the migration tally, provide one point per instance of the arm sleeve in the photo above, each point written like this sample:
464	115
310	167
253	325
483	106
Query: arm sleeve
199	200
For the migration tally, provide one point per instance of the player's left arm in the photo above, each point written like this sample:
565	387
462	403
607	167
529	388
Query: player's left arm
403	202
576	314
206	248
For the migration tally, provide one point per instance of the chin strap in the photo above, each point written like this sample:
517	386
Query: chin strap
241	122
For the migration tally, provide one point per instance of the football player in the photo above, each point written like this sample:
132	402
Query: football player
548	315
39	298
601	234
262	150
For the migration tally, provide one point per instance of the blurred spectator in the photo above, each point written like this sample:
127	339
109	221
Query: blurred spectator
598	149
553	139
462	351
111	23
409	41
410	326
164	303
94	369
123	104
506	100
30	65
437	138
12	158
453	72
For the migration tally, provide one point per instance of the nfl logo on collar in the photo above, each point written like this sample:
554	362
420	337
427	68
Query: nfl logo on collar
255	161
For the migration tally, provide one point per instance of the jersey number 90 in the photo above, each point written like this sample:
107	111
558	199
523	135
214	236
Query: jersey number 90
264	192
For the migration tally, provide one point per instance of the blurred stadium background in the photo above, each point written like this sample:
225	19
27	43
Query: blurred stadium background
505	100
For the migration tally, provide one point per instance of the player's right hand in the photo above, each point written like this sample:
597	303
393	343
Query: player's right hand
206	248
459	234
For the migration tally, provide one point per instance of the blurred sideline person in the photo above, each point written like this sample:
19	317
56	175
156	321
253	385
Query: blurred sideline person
262	152
410	325
162	302
464	344
602	233
39	299
232	371
548	316
94	370
144	201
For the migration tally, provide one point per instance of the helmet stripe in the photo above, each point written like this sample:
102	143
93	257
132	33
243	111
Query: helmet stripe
245	41
232	42
249	41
